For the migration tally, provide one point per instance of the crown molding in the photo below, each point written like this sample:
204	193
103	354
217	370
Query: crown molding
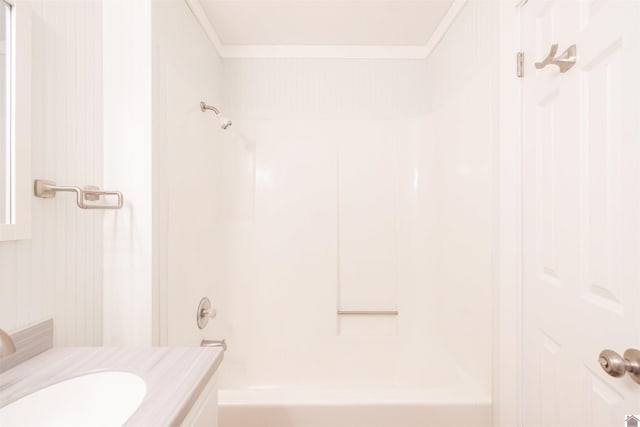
315	51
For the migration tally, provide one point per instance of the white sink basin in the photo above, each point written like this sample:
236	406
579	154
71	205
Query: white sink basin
100	399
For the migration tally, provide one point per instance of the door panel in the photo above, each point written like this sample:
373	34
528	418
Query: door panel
580	211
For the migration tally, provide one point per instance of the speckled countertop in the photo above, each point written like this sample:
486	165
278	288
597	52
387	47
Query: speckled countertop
175	377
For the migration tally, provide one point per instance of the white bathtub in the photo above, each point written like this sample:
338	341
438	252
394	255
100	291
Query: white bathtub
453	405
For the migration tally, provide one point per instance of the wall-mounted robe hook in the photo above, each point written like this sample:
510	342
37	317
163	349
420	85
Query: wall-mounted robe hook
565	61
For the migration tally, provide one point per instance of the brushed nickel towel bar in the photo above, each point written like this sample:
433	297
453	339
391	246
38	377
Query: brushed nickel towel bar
48	189
367	312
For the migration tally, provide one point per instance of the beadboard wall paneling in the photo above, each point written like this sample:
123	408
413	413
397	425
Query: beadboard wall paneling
58	272
467	51
320	89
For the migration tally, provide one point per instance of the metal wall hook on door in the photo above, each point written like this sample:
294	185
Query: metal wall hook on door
565	61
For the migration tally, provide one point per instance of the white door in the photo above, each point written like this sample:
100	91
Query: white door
581	216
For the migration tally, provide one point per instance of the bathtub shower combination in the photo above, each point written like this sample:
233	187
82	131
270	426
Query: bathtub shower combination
322	213
343	226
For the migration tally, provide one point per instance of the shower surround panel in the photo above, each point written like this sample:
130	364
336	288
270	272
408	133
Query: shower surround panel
339	217
348	186
343	184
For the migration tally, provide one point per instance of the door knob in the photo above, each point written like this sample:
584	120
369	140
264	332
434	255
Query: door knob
616	365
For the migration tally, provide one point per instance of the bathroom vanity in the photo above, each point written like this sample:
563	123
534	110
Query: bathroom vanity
128	386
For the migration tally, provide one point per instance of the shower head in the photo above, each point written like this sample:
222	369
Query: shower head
224	121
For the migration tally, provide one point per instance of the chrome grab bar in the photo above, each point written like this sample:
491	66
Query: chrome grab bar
367	312
48	189
214	343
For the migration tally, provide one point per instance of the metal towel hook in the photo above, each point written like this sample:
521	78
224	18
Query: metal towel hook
565	61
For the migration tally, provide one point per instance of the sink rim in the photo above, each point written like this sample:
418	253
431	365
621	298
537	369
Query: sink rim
51	382
158	366
103	397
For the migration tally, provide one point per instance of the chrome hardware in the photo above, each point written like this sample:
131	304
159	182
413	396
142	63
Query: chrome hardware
48	189
564	62
205	312
616	365
7	346
521	3
367	312
214	343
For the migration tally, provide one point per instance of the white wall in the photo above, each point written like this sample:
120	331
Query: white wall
329	203
59	271
360	184
325	89
127	167
187	262
353	184
4	215
464	108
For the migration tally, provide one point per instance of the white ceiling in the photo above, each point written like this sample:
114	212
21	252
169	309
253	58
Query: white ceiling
325	22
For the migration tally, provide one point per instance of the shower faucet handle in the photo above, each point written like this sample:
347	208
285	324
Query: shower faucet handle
208	312
204	313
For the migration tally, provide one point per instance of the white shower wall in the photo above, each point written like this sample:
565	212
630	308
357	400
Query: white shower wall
360	184
463	107
187	170
318	239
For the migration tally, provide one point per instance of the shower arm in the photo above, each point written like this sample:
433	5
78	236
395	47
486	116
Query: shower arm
205	107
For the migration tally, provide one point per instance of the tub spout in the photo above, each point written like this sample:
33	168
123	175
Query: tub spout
7	346
214	343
